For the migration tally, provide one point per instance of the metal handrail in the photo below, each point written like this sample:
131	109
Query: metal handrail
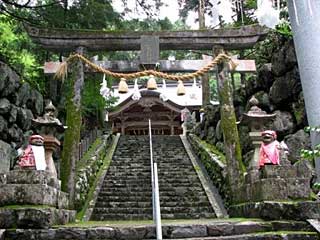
155	190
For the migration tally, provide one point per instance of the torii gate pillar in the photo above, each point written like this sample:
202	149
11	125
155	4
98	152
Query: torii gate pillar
305	19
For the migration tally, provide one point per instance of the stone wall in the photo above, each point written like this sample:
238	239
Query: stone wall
214	163
19	103
277	87
88	168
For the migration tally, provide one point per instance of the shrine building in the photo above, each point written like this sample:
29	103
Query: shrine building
162	106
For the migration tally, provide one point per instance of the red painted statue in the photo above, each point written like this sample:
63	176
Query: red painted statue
270	149
33	156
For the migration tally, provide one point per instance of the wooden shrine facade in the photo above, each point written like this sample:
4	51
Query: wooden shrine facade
132	117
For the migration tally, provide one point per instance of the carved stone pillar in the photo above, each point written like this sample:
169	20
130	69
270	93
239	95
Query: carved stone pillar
51	144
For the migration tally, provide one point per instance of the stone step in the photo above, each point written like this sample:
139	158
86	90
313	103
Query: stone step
164	183
162	180
117	192
209	229
129	198
135	204
106	217
120	210
127	189
260	236
123	198
194	215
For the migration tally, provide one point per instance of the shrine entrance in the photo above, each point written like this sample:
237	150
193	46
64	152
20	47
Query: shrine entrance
132	117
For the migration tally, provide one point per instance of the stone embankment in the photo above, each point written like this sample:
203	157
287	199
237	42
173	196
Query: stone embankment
19	104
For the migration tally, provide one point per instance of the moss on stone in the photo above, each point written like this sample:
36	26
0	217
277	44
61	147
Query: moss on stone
235	166
106	162
83	161
70	144
26	206
213	149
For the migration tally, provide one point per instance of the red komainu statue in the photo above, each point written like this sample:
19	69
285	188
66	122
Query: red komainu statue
33	156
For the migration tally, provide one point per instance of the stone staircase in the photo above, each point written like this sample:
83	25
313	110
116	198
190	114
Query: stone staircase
126	192
181	192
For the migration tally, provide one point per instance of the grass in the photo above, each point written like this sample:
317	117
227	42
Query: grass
84	224
26	206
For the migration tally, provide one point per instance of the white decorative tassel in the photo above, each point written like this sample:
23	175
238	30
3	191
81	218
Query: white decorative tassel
105	92
193	94
163	95
136	93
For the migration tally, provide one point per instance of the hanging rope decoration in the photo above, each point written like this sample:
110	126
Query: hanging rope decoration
62	71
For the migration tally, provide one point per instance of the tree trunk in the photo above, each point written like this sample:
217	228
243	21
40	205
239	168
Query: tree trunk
231	139
72	135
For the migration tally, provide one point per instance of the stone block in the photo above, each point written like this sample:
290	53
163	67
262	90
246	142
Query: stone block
63	200
274	171
5	156
277	210
252	176
269	189
189	231
304	169
244	194
298	188
101	233
23	194
220	229
250	227
131	233
37	217
32	177
73	233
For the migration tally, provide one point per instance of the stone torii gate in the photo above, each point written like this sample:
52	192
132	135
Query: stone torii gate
150	43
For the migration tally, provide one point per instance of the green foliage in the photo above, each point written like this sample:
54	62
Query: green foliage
213	88
316	186
284	28
17	50
93	104
315	152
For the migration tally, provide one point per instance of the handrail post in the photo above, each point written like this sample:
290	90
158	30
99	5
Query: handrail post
155	190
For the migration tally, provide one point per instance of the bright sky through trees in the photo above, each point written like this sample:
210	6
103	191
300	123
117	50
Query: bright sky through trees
169	9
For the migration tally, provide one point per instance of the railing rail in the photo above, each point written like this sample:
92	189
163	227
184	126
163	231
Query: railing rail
155	190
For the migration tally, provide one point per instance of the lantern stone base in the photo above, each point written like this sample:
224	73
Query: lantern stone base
31	198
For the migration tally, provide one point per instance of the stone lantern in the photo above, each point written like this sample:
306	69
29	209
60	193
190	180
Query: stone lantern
48	126
256	119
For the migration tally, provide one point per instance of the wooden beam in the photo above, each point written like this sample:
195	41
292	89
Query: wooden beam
67	40
145	124
244	66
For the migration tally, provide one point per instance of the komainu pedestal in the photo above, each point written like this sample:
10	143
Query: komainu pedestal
32	199
276	192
